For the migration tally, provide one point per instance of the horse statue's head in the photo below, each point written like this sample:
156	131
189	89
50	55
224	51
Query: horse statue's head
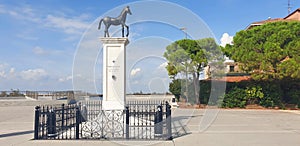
126	9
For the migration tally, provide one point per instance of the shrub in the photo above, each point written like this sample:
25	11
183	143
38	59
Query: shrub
267	102
235	98
254	94
273	94
294	96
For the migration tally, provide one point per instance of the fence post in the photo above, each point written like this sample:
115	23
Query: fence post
127	122
36	122
62	115
158	121
78	119
51	123
168	120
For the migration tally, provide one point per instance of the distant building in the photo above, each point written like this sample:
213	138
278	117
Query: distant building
294	16
232	67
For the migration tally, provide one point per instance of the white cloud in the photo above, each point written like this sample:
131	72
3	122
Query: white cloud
39	51
161	71
226	39
12	71
63	79
24	13
3	66
31	79
2	74
69	25
135	71
6	71
162	66
33	74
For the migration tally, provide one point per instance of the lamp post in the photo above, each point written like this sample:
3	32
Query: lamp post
186	70
202	70
184	30
186	83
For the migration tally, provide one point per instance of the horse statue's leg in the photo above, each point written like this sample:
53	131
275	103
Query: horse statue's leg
127	27
127	30
122	30
106	34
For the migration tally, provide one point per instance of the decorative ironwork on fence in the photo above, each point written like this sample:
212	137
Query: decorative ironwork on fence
141	120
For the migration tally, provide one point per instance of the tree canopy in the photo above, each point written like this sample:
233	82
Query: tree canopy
184	56
269	51
189	57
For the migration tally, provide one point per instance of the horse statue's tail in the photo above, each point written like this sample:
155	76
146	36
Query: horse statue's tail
99	26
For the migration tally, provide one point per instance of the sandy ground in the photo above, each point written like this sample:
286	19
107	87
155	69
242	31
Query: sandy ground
28	102
237	127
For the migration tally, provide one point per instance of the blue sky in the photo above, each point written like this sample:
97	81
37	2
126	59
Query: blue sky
39	39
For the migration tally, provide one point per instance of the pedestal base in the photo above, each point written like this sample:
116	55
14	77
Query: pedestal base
114	73
112	105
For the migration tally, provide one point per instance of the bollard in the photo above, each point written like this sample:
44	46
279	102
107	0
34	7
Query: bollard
168	120
51	123
158	122
127	121
36	122
62	115
78	119
155	122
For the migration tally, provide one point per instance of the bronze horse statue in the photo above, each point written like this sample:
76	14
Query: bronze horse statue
120	20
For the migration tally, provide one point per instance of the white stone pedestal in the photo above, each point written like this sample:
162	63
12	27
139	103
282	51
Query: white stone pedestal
114	73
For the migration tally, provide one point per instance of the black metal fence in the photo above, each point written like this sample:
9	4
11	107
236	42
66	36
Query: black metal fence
148	120
57	122
141	120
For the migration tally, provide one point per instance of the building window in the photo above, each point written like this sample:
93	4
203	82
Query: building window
231	68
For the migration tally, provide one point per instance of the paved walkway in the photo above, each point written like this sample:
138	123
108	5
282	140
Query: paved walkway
229	128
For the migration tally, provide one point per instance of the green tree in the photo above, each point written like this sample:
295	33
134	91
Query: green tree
269	51
214	56
189	57
185	57
175	88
